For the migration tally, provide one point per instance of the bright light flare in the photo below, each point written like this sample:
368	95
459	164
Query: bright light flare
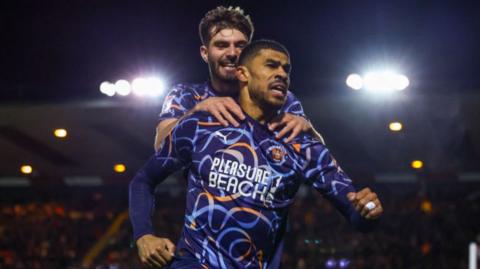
395	126
355	81
151	86
107	88
417	164
378	82
26	169
140	86
60	133
122	87
401	82
119	168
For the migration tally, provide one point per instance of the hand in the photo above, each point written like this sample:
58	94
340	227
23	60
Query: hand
291	123
155	252
222	109
361	198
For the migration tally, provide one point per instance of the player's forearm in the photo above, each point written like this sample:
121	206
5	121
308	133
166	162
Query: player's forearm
163	129
341	202
141	203
166	126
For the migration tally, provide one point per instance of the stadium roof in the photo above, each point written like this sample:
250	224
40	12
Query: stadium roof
441	130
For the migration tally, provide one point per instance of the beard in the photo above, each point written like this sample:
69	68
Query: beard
264	100
217	71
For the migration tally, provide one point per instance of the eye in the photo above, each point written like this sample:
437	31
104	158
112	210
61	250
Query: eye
221	45
287	68
241	45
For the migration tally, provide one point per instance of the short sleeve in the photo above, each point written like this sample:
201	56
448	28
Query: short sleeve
178	101
176	150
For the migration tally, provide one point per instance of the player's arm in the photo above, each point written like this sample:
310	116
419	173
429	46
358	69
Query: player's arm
293	121
154	251
322	171
181	103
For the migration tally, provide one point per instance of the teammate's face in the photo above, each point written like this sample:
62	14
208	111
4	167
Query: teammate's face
269	78
222	53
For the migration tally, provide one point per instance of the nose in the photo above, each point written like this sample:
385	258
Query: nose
282	75
232	53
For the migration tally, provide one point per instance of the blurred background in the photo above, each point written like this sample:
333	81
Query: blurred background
393	87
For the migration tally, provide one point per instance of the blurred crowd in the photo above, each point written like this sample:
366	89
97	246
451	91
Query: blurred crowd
423	227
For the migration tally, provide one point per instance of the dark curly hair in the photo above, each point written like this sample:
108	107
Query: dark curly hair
224	17
252	49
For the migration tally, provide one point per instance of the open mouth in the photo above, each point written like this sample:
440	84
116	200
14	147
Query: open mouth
279	88
228	66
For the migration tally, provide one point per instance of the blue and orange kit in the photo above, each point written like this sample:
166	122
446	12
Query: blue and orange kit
241	182
183	97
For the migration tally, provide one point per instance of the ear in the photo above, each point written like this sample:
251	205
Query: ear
204	53
242	73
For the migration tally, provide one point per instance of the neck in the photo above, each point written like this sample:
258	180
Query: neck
256	111
224	87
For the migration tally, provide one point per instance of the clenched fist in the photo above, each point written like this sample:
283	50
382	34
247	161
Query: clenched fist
155	252
366	203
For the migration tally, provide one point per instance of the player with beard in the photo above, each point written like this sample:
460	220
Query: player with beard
224	32
241	180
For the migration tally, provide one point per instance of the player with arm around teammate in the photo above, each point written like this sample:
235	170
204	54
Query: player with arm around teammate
241	180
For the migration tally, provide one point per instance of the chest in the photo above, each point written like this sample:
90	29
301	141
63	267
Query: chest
236	162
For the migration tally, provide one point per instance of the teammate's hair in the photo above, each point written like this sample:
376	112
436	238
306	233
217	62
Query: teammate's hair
222	18
253	48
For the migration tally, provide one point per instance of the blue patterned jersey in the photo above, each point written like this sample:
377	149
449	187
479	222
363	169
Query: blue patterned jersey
241	182
183	97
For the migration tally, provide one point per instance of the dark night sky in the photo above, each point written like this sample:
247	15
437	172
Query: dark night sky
59	50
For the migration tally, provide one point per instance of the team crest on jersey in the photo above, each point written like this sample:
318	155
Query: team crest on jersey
277	153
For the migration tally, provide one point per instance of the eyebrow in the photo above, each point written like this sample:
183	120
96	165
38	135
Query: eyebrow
286	66
221	42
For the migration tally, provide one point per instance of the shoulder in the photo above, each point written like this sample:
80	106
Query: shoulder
305	141
187	88
194	92
196	125
199	117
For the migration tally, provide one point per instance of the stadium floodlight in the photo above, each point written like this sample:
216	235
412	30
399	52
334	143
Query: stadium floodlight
151	86
355	81
122	87
401	82
119	168
378	82
157	86
26	169
139	86
417	164
60	133
395	126
107	88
